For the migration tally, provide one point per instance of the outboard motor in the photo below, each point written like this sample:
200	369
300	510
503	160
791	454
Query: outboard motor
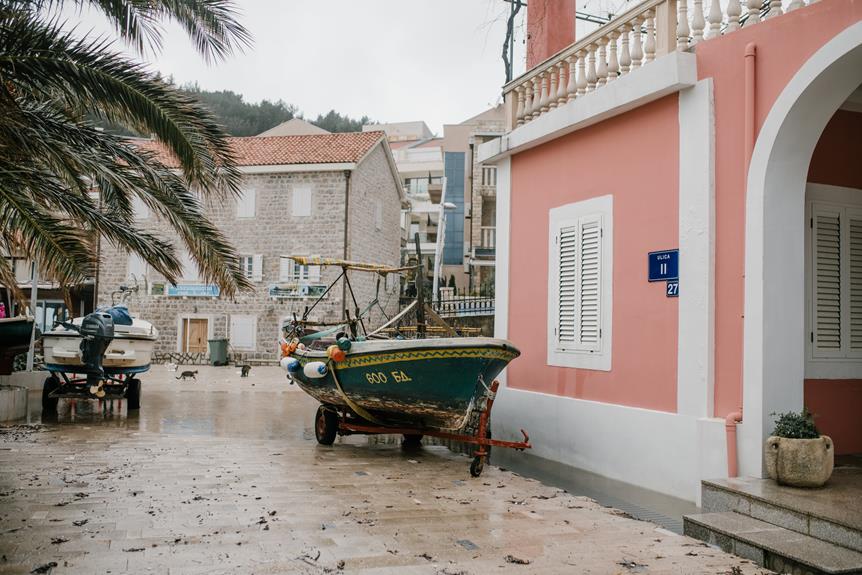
97	331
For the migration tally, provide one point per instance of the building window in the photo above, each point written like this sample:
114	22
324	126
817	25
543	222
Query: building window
580	284
291	271
836	281
301	201
140	209
137	268
378	214
252	267
245	204
489	175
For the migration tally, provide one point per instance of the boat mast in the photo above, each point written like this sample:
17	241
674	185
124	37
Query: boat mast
420	290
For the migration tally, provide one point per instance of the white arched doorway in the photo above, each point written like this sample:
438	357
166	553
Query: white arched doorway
774	323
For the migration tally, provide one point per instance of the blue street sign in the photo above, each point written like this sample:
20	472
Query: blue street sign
663	265
193	290
672	288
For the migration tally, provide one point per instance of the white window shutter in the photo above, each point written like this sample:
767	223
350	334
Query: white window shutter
589	288
190	268
378	214
257	268
140	210
137	267
301	201
314	273
245	204
567	246
243	330
826	236
285	270
854	263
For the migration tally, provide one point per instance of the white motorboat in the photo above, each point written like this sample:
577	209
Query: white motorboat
130	349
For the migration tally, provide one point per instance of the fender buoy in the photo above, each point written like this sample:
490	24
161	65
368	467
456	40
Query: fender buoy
290	365
344	344
315	370
335	353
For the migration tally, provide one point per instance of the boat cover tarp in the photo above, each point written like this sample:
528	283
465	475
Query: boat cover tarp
119	313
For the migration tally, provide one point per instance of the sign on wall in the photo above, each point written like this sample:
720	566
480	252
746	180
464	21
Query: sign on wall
663	265
193	290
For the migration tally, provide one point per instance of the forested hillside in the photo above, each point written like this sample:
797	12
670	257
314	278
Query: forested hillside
244	119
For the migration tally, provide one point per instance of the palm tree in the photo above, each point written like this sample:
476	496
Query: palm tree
64	182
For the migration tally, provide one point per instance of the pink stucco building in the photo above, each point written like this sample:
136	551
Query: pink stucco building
734	135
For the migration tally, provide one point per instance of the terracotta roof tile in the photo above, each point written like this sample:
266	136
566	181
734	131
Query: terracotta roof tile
337	148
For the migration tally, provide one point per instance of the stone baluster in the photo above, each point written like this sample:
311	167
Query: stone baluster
602	64
682	28
714	19
625	54
561	84
537	97
795	4
582	72
649	44
637	44
697	22
519	110
613	62
592	78
774	9
734	11
552	88
528	100
753	12
543	95
572	87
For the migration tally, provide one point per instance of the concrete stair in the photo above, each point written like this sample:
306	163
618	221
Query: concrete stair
784	529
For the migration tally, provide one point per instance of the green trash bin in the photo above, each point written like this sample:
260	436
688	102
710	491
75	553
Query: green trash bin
218	351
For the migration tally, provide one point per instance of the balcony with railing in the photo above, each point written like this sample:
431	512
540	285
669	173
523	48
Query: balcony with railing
630	41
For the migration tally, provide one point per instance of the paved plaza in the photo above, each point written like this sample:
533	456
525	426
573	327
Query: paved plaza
223	475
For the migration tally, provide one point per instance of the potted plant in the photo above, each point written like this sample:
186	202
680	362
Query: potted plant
796	453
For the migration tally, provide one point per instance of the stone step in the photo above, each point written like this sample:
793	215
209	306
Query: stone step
832	514
773	547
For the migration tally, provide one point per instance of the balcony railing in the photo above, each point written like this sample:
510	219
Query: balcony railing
631	40
489	237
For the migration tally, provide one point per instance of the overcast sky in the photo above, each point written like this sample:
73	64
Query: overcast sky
392	60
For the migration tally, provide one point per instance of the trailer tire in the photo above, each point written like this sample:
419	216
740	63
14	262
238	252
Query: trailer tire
477	466
49	404
133	394
325	426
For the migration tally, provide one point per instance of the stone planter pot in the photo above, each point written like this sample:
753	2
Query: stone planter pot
800	462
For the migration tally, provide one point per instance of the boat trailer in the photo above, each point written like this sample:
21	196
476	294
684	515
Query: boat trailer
480	438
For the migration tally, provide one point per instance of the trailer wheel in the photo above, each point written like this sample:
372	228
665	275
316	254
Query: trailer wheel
49	404
477	466
133	393
412	440
325	426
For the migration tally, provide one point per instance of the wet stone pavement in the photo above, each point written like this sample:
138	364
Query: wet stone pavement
223	475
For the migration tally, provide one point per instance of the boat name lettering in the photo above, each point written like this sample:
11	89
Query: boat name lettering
379	377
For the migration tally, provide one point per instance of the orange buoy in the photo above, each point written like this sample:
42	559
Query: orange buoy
335	354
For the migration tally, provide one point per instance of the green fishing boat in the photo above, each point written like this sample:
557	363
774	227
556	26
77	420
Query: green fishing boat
396	379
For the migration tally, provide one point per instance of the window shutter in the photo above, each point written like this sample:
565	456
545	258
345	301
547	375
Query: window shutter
245	204
190	268
589	282
567	241
301	201
137	267
854	263
140	209
257	268
242	331
826	233
378	214
314	273
285	270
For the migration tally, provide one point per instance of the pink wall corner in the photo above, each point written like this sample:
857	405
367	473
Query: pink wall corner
783	45
550	28
835	404
634	157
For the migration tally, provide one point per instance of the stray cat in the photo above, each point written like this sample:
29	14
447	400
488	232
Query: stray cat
245	370
188	374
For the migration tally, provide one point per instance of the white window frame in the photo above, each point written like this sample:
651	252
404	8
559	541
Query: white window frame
234	345
292	272
587	356
826	364
489	175
246	204
302	201
251	266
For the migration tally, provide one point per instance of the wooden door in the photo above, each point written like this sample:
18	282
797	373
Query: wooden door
195	335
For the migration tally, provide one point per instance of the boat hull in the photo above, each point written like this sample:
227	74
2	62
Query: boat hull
130	349
434	383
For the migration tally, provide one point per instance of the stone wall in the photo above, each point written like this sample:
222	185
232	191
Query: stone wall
272	232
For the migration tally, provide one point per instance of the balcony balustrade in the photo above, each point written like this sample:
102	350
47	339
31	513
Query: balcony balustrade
489	237
631	40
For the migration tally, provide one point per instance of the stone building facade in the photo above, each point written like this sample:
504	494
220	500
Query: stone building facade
295	192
